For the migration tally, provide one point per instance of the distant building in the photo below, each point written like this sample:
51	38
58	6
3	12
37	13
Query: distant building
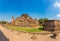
52	25
25	21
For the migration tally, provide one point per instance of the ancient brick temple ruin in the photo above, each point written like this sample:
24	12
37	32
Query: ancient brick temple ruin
52	25
25	21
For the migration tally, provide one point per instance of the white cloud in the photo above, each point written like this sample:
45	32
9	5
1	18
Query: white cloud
56	4
58	15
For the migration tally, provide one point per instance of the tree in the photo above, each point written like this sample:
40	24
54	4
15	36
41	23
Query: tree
42	21
3	22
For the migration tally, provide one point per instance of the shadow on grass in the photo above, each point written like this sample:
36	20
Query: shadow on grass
41	28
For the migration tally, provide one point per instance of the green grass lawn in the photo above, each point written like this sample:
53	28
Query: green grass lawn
26	29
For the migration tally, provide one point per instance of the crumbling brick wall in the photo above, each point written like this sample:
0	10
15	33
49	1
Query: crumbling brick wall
52	25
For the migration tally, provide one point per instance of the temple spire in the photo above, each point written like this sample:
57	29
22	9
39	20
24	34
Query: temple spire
12	19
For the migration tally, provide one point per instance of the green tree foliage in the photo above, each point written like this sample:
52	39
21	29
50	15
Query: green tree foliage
3	22
42	20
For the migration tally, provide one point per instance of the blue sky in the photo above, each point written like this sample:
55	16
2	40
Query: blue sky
35	8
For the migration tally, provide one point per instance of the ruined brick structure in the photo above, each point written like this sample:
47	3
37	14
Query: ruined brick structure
25	21
52	25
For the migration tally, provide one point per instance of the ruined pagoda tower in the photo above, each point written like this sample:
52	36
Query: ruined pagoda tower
25	21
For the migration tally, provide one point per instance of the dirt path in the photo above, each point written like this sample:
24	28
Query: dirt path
10	35
3	37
